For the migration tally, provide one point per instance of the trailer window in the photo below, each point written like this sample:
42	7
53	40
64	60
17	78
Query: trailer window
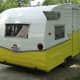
17	30
59	32
51	15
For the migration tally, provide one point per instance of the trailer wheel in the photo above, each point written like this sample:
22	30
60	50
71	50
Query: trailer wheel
67	61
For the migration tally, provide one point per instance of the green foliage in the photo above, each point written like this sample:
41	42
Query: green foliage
76	1
26	1
6	4
10	4
48	2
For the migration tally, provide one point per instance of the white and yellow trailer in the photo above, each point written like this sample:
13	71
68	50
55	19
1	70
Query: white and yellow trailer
39	37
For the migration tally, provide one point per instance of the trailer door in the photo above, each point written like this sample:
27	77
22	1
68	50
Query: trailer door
75	31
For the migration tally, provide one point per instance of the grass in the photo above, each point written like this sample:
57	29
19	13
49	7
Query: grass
77	78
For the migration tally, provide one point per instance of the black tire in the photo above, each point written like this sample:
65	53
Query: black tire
69	60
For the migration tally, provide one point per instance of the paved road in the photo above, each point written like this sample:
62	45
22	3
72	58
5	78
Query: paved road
60	73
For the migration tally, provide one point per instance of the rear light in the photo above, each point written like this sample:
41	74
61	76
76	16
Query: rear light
40	46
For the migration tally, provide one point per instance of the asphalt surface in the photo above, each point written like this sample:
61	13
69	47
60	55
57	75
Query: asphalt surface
67	72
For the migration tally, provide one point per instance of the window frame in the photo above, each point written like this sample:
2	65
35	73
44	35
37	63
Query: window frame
16	24
60	37
49	16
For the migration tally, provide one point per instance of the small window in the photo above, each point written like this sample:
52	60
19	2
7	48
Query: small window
52	15
17	30
59	32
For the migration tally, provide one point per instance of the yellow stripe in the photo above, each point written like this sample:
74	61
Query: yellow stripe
44	60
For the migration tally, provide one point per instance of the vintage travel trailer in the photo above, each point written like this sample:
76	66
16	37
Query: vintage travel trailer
40	37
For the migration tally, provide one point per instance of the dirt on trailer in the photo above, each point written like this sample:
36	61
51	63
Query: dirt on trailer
67	72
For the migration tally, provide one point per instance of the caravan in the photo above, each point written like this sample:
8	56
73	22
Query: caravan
39	37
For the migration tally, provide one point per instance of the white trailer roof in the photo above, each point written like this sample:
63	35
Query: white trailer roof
23	14
28	14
